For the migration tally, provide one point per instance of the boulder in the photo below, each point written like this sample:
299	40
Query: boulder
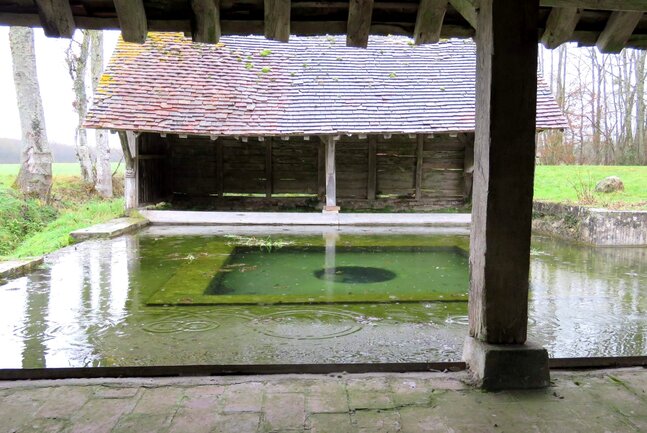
610	184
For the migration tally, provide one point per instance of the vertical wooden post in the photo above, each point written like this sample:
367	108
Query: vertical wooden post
220	169
268	168
504	165
419	155
331	176
371	187
131	179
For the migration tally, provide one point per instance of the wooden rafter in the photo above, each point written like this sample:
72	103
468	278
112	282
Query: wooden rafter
560	26
132	20
56	18
429	21
618	30
206	21
611	5
360	13
468	9
277	20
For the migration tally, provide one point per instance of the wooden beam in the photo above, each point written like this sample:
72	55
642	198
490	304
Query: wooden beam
129	142
360	13
420	139
56	18
506	98
331	173
132	20
560	26
608	5
371	186
277	20
618	30
468	9
206	21
268	168
429	21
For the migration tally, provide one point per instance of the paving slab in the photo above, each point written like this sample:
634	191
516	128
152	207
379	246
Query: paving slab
17	268
586	402
110	229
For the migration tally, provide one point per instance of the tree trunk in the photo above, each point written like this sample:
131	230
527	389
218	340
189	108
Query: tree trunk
103	182
35	175
641	155
77	66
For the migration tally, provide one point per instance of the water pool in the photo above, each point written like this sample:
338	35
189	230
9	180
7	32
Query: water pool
168	296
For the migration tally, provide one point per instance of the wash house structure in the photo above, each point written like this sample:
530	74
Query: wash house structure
256	124
506	34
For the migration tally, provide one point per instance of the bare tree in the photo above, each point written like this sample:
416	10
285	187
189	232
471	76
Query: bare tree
77	60
35	175
103	183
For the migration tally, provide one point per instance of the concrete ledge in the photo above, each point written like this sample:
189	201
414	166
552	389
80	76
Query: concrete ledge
304	219
110	229
499	366
599	227
16	268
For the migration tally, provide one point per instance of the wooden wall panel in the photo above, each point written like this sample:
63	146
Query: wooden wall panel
294	166
396	166
351	160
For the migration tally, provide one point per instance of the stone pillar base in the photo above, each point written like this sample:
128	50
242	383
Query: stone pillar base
500	366
331	209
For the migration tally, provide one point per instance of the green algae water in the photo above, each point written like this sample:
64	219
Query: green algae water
169	296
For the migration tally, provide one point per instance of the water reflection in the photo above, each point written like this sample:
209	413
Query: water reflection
88	307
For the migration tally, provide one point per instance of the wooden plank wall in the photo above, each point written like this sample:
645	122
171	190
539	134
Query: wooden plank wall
189	167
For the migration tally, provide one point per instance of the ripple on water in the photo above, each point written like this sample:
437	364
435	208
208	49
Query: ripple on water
308	324
181	323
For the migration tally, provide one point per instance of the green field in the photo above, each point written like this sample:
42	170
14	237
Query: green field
576	184
8	172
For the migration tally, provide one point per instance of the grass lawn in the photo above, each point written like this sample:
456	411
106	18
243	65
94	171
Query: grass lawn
31	228
576	184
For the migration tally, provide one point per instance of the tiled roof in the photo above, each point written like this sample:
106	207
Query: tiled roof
311	85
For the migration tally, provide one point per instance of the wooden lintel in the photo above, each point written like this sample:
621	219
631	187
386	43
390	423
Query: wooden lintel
429	21
360	13
277	20
618	30
467	9
420	147
132	20
206	21
560	26
56	18
371	187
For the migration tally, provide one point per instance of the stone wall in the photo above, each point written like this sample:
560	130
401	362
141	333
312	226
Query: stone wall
592	226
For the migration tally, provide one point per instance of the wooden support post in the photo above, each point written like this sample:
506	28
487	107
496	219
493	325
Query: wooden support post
268	168
331	176
132	20
220	169
56	18
618	30
560	26
277	20
429	21
419	160
371	188
360	14
206	21
506	97
129	141
321	169
506	89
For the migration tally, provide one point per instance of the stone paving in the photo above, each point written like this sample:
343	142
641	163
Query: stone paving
610	401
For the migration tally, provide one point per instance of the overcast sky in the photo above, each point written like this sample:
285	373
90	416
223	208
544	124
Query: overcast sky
55	86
